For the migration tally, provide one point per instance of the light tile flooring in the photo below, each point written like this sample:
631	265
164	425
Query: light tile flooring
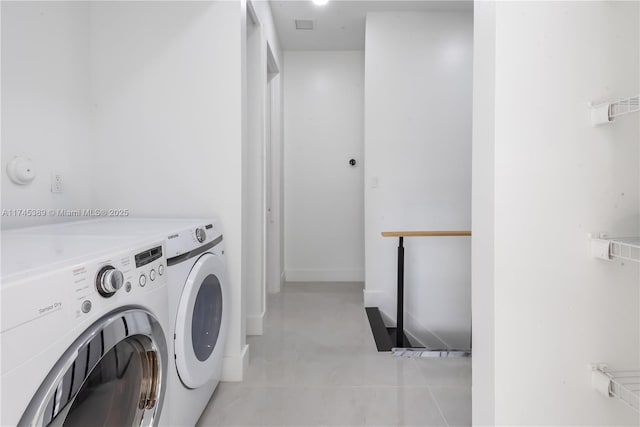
317	364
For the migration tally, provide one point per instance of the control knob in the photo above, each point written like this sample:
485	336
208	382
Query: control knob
109	280
201	235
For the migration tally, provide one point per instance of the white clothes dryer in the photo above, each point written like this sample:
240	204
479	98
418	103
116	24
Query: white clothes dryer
199	300
84	323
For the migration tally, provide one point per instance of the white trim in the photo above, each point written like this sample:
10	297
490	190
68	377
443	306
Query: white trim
233	367
332	275
255	324
251	12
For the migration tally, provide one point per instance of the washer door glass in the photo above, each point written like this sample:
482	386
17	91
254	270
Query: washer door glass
113	395
112	375
207	317
201	322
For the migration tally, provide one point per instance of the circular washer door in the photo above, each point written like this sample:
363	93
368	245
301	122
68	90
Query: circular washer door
112	375
202	322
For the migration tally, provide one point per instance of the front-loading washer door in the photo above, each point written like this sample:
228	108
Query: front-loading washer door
112	375
201	322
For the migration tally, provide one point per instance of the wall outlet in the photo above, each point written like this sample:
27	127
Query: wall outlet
56	182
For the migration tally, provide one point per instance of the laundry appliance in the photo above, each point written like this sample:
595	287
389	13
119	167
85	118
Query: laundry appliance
84	330
198	292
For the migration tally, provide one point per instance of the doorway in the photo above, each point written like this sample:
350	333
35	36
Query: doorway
273	161
253	155
262	175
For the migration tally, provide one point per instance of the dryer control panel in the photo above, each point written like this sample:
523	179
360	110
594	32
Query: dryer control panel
202	237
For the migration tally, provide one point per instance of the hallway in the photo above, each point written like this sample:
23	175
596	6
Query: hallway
316	364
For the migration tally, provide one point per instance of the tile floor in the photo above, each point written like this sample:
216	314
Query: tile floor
317	364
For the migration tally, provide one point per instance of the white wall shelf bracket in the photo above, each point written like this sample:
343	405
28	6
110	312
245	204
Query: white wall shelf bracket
624	248
606	112
623	385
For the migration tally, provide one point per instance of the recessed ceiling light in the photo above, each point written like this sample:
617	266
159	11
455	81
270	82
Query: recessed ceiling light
320	2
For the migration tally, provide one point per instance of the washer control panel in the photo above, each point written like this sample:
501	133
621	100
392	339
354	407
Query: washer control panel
86	289
109	280
117	278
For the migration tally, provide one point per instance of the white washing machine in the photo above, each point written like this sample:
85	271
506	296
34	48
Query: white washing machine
84	322
198	292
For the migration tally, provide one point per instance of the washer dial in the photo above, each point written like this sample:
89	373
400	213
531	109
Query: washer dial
201	235
109	280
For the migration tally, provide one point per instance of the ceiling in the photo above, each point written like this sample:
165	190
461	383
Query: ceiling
340	25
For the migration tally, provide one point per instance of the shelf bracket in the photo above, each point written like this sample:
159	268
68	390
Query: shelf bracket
624	385
622	248
607	112
601	248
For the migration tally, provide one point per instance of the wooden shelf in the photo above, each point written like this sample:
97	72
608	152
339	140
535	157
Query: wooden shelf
425	233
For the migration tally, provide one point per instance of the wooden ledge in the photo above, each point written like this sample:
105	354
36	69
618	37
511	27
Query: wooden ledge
425	233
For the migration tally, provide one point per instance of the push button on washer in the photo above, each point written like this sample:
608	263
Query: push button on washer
161	269
86	306
152	275
143	280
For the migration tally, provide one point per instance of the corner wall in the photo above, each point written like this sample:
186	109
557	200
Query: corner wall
418	95
166	88
557	178
46	106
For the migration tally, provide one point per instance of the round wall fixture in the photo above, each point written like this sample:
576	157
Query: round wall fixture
21	170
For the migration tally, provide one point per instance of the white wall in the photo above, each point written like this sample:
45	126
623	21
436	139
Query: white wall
253	177
257	231
557	309
166	88
140	106
274	227
483	217
418	78
323	102
45	105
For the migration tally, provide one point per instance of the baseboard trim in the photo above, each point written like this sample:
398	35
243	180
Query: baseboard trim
309	275
255	324
234	367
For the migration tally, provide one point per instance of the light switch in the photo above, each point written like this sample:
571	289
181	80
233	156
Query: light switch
374	182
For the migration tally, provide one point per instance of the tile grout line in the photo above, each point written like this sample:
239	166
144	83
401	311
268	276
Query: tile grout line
280	370
433	396
302	385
